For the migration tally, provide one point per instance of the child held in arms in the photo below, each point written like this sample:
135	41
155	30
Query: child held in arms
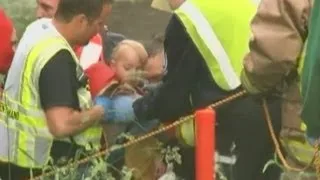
117	85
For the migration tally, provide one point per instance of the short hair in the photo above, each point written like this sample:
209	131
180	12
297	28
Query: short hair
137	46
155	45
67	9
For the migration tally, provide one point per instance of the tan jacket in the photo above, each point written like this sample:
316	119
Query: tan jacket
279	33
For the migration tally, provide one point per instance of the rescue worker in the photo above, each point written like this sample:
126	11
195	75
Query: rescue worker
45	95
204	43
154	66
100	46
89	54
280	30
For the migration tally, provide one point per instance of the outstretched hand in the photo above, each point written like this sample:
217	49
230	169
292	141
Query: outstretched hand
135	77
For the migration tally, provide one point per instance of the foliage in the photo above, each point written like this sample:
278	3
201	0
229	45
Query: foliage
290	174
94	169
98	168
22	12
171	155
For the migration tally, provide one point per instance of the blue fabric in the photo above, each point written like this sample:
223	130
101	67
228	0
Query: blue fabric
106	103
121	109
118	109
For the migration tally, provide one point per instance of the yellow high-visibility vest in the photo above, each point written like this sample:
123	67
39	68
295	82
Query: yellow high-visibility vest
25	138
221	32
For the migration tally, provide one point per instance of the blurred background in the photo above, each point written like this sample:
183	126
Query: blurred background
132	18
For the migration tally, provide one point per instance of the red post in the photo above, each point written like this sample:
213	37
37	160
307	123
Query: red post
205	143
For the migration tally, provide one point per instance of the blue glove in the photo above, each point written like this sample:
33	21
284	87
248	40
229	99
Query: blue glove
107	104
122	111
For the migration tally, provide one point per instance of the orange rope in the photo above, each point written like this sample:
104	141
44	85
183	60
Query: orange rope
139	139
277	144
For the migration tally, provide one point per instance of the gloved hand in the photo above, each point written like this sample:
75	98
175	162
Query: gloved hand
118	109
247	85
121	110
144	107
107	104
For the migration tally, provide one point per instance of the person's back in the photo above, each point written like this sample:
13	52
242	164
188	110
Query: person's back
205	42
220	49
241	121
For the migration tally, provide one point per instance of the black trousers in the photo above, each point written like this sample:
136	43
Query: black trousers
59	149
242	122
13	172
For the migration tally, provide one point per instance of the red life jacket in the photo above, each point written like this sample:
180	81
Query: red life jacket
100	77
99	74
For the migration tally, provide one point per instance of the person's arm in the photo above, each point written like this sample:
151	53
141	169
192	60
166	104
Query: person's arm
279	32
58	87
172	99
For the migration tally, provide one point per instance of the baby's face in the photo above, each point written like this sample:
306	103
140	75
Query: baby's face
126	60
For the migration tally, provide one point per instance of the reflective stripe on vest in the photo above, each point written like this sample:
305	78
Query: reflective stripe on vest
91	53
26	140
222	44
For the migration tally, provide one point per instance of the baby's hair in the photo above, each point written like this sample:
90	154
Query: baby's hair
137	46
155	45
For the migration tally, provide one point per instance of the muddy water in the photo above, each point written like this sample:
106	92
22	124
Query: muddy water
137	20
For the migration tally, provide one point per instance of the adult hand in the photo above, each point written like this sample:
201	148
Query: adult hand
258	94
143	107
122	109
247	85
135	77
118	109
124	89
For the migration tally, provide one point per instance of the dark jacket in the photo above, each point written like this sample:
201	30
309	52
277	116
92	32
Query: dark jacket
188	84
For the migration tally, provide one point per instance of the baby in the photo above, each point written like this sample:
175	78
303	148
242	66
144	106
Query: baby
128	59
145	156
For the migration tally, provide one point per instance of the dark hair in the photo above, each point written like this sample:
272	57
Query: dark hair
155	45
67	9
